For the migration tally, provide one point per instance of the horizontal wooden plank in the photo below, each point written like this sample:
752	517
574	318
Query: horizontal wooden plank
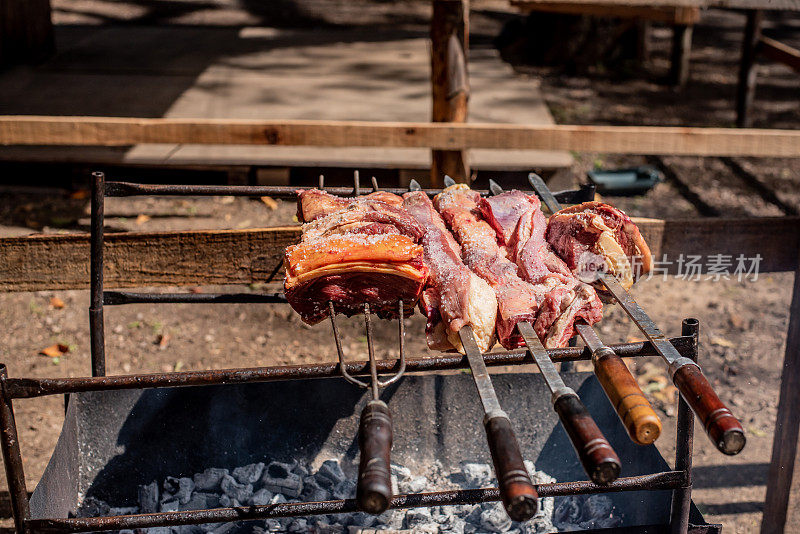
780	5
146	259
780	52
247	256
114	131
666	14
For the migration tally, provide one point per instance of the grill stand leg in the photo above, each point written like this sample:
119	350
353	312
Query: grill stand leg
9	442
682	497
96	326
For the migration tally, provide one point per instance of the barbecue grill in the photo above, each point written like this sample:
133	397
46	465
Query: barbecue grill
141	413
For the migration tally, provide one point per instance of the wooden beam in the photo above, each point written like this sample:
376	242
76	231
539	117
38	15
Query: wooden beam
246	256
780	52
666	14
783	484
115	131
146	259
449	82
681	53
778	5
748	70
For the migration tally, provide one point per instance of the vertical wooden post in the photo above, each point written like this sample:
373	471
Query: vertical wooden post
26	31
781	485
681	50
449	82
747	69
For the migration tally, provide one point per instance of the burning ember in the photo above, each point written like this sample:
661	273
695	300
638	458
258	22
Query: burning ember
277	482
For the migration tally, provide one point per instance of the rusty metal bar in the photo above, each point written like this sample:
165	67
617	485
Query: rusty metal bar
96	326
682	496
37	387
115	298
125	189
9	443
665	480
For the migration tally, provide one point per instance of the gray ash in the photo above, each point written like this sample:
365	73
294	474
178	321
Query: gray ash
263	484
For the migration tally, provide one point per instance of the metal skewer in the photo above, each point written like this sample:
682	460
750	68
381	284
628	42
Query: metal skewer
516	489
721	426
374	486
638	417
597	456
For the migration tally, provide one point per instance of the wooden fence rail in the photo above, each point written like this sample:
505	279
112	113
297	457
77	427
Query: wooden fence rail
113	131
249	256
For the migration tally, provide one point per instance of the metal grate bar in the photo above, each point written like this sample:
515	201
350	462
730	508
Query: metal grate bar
37	387
115	298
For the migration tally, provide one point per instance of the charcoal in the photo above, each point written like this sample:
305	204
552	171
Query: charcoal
477	475
223	528
301	469
188	529
609	522
597	506
148	498
415	485
298	525
393	519
200	501
474	517
363	520
209	479
290	484
568	511
278	499
495	519
126	531
261	498
325	528
91	507
234	490
454	525
185	489
277	524
417	517
227	502
170	506
402	473
313	491
158	530
248	474
279	469
170	485
124	510
345	490
330	474
395	485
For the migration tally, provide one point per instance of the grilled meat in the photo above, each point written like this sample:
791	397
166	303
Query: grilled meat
352	269
313	204
354	252
517	300
595	236
520	226
456	296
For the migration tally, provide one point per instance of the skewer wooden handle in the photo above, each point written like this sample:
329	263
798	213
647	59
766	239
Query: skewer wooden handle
599	460
374	488
635	412
721	426
518	494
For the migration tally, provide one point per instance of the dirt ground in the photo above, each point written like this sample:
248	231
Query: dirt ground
743	324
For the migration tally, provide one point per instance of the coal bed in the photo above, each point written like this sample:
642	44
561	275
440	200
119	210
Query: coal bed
179	448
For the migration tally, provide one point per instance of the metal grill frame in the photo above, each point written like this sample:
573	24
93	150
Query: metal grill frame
679	480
